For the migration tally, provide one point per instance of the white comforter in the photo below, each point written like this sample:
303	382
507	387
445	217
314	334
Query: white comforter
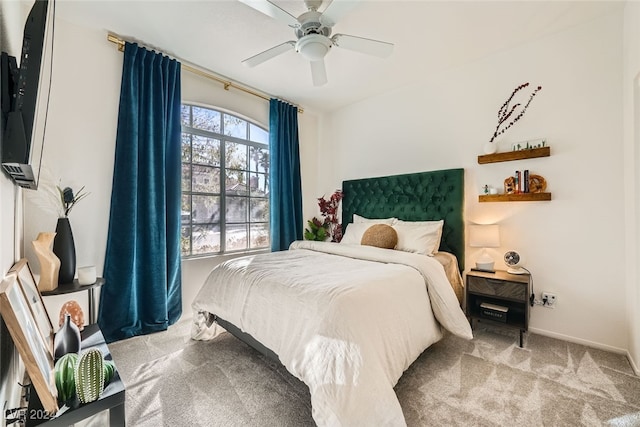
346	320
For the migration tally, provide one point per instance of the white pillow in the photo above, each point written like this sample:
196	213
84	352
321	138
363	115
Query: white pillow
353	233
357	219
421	237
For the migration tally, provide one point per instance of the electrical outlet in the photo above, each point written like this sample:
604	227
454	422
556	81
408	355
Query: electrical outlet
548	300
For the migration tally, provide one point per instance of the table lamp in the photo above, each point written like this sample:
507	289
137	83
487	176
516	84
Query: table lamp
484	236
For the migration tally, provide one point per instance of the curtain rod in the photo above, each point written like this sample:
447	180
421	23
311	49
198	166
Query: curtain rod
226	83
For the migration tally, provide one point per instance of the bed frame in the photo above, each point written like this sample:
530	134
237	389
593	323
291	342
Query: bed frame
424	196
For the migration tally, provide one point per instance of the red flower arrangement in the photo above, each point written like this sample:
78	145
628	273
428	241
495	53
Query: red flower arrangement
505	112
329	226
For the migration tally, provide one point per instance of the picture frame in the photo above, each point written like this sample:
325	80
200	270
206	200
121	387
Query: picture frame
26	336
36	303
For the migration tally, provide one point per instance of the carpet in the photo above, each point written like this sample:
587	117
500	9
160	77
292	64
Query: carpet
489	381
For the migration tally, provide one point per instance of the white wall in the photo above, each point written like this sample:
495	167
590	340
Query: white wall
80	144
11	24
575	243
12	17
631	99
79	147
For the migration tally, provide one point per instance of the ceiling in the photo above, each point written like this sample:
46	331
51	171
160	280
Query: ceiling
429	37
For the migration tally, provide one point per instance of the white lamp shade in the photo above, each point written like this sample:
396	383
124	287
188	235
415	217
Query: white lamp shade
484	236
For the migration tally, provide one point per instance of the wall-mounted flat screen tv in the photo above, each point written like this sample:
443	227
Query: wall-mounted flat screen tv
25	91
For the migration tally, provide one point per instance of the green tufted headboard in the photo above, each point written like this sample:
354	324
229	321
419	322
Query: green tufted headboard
420	196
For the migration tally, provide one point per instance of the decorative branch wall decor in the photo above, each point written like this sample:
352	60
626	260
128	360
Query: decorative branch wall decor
508	112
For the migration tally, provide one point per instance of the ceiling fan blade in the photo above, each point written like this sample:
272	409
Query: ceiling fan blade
360	44
336	10
273	11
318	73
269	53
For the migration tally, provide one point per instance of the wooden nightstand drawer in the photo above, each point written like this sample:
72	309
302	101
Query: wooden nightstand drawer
500	288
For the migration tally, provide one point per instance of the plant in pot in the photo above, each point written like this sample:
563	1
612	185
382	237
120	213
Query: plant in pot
328	226
63	243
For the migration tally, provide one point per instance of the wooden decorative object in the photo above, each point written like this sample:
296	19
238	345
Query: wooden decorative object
510	185
34	352
49	262
537	184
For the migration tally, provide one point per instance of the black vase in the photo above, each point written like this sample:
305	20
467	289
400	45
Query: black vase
65	249
67	339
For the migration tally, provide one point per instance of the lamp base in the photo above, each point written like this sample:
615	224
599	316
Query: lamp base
483	271
485	266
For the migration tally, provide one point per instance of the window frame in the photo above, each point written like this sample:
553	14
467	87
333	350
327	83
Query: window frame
223	168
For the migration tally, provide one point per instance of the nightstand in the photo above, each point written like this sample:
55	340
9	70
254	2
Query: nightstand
499	299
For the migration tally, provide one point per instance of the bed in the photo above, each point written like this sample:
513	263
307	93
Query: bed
347	319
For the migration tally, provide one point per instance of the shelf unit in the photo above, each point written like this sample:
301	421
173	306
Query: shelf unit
516	197
511	156
514	155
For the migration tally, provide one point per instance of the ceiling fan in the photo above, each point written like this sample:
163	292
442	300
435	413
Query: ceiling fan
312	30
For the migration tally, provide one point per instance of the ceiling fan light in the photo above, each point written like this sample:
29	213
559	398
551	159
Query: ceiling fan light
313	47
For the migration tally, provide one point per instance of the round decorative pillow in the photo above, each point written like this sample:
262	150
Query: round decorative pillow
381	236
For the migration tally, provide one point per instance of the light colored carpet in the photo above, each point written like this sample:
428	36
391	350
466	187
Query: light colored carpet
172	380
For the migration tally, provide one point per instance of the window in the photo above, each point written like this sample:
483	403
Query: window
225	183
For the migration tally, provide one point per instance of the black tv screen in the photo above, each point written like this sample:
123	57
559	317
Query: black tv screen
26	88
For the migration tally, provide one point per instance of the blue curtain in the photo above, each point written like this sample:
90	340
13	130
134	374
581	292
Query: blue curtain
142	290
285	195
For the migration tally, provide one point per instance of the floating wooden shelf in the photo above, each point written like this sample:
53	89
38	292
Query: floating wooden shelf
521	197
514	155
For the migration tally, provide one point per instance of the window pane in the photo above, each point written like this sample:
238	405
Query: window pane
206	239
259	210
258	184
186	177
236	209
185	115
186	147
185	214
205	209
236	156
235	126
245	171
206	151
259	236
236	182
206	119
258	134
236	237
185	240
206	179
258	159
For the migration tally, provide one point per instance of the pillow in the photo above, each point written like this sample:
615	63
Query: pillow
381	236
421	237
353	233
357	219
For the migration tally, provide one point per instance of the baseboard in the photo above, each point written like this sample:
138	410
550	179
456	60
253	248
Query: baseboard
581	341
633	364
